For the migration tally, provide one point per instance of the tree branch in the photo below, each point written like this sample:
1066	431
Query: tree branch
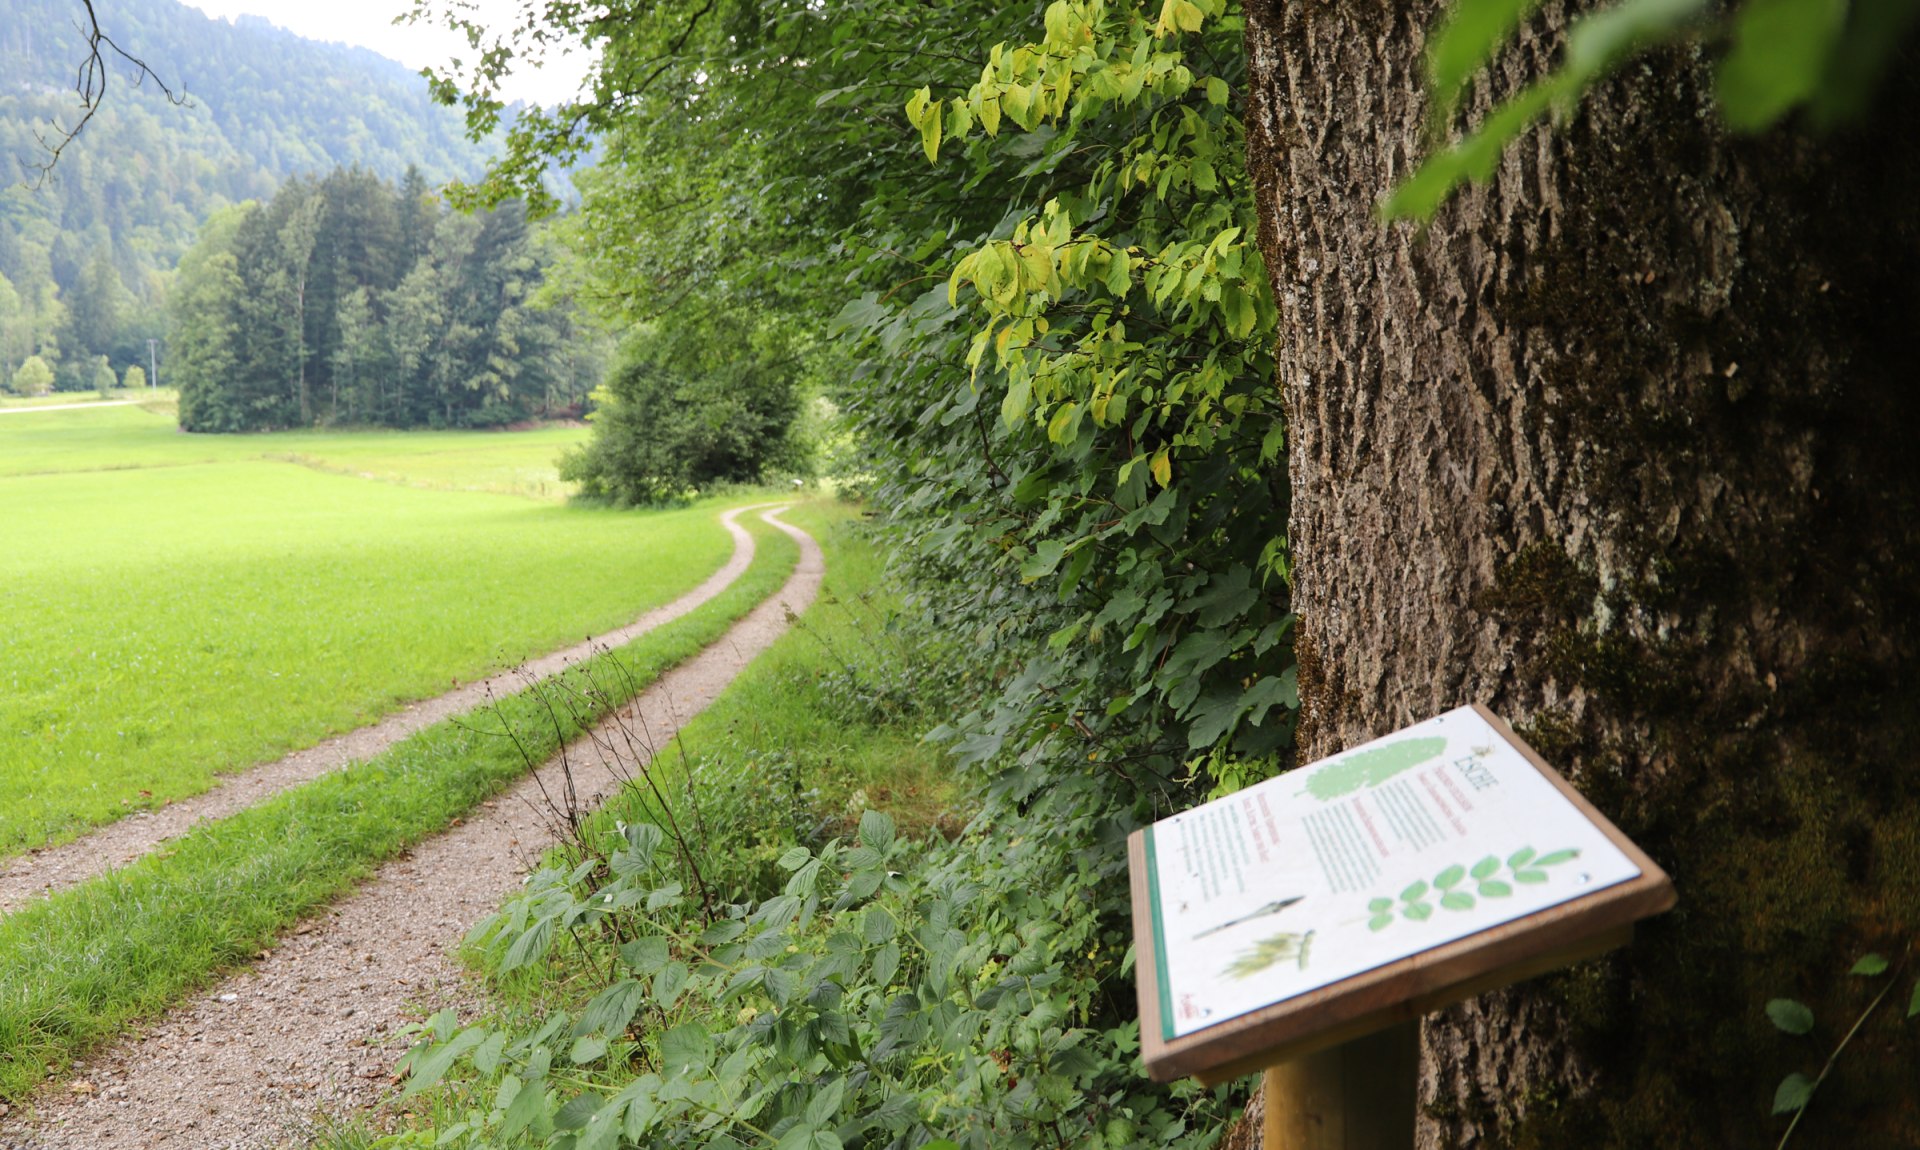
90	81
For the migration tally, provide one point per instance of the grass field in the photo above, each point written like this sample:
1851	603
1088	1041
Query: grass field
120	438
175	606
79	967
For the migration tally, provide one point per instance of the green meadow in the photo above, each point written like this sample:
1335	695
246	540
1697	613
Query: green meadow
120	438
173	607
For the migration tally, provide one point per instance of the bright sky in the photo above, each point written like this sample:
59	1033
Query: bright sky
369	23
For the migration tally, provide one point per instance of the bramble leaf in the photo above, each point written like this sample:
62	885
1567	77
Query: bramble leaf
1869	965
1790	1016
1793	1094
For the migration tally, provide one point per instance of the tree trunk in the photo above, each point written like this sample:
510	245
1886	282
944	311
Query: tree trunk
1620	447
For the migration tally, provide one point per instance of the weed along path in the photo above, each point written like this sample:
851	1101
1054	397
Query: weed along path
310	1028
116	844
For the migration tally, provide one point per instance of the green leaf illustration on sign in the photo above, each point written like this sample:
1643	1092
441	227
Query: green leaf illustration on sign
1363	769
1452	884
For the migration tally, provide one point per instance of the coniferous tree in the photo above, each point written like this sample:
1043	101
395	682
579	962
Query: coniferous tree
315	308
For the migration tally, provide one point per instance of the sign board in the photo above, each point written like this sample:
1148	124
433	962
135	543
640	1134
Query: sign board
1368	888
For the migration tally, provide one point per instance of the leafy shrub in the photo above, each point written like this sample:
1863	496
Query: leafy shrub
888	993
681	412
32	377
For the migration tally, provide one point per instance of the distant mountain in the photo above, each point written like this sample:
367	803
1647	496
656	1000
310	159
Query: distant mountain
131	192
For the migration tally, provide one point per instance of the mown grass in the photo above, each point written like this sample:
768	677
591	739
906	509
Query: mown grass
167	625
83	965
121	438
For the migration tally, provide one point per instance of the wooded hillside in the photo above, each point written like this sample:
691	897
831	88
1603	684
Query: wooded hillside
85	254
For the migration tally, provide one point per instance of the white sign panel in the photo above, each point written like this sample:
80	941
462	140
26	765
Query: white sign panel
1426	836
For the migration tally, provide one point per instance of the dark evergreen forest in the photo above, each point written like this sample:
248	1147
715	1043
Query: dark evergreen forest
86	251
355	300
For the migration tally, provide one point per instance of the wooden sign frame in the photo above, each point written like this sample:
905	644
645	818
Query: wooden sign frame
1404	989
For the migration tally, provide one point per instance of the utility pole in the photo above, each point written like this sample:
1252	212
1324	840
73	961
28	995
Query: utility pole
153	365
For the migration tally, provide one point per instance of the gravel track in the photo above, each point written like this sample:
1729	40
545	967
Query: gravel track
50	869
26	408
310	1029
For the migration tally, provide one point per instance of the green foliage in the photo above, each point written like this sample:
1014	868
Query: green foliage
1056	356
687	408
351	300
721	973
104	380
870	998
1789	1016
1823	57
1109	467
136	378
33	377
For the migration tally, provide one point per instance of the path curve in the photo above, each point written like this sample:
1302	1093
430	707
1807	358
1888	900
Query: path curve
51	869
310	1029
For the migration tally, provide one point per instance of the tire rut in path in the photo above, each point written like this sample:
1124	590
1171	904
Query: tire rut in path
50	869
310	1029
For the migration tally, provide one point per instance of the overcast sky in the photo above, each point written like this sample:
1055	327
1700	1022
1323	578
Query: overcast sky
369	23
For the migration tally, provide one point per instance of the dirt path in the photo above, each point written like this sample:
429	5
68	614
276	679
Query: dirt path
70	406
116	844
309	1029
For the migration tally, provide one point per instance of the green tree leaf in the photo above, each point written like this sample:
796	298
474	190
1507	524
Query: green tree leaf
1793	1093
1781	50
1465	41
1869	965
1790	1016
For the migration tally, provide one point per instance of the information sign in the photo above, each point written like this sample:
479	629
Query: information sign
1362	889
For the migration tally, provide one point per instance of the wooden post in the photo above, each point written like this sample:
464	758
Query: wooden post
1356	1096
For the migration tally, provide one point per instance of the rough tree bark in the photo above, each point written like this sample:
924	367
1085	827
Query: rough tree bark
1621	447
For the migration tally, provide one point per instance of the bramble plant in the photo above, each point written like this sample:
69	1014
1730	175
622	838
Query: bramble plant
1790	1016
